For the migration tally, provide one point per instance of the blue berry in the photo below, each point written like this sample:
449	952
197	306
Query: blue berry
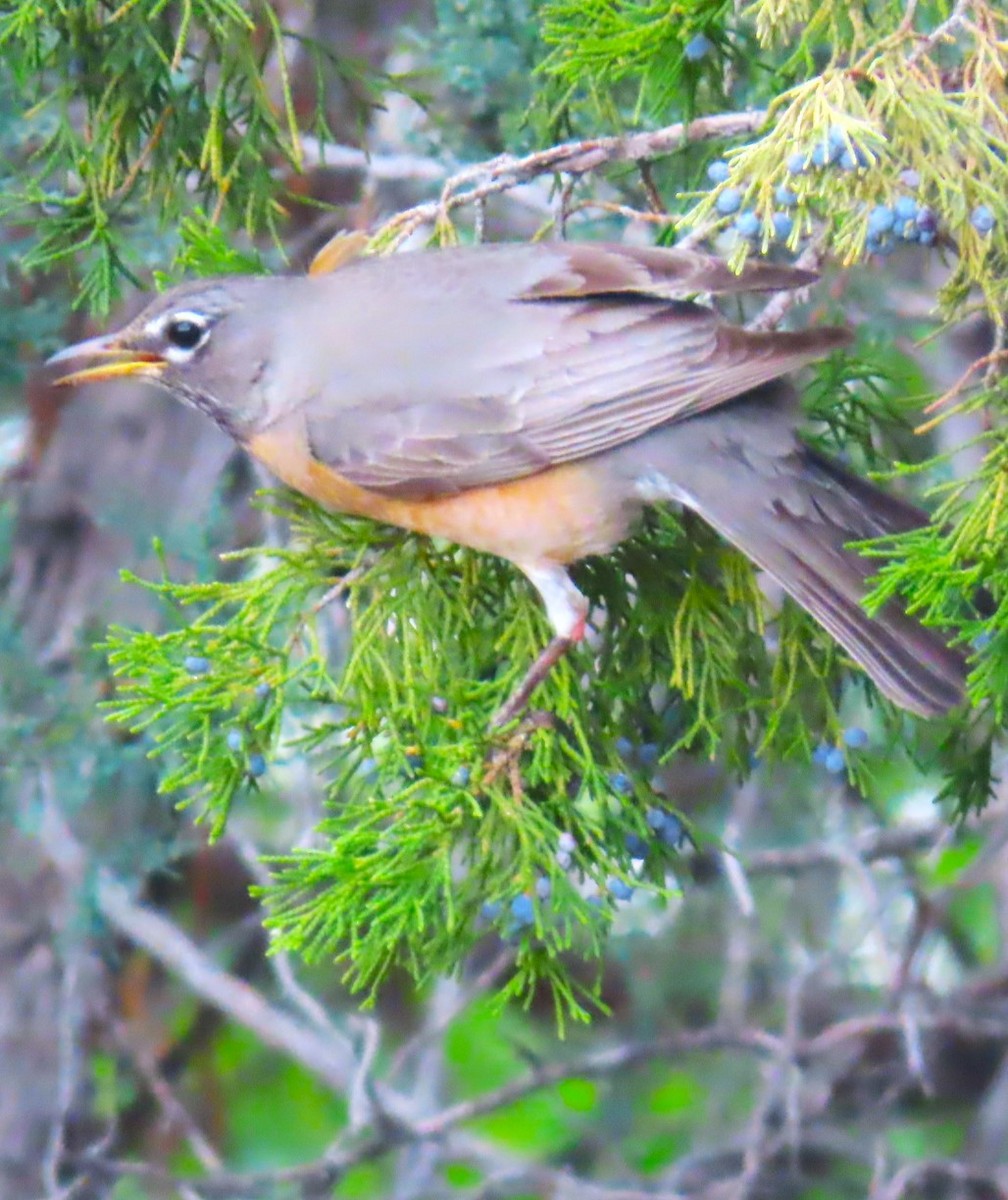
834	761
820	752
910	178
235	739
982	219
747	224
982	640
729	201
910	232
785	197
263	690
566	843
256	765
855	737
656	819
624	747
830	149
698	47
523	910
368	767
927	238
636	846
649	754
620	783
718	171
672	719
881	219
878	244
543	887
490	910
619	889
797	163
461	777
782	225
905	208
439	704
927	220
563	859
672	833
196	664
854	159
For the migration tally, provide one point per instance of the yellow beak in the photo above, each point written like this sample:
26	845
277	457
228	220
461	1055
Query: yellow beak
120	361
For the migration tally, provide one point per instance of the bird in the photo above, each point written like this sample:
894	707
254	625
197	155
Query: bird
529	401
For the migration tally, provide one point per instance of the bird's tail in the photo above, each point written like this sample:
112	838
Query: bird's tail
793	511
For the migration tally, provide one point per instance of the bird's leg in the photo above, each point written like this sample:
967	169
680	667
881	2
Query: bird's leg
567	610
555	649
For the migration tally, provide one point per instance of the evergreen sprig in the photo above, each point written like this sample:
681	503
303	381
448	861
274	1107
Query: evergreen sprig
439	828
131	112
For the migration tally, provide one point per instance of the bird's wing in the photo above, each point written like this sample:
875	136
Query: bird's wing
496	362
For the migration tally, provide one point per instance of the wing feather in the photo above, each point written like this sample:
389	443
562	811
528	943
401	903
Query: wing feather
522	357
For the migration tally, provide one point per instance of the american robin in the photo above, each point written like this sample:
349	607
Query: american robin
528	401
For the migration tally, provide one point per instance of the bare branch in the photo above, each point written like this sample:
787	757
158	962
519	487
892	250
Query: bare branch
324	1057
506	172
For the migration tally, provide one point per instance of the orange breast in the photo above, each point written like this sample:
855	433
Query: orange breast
559	515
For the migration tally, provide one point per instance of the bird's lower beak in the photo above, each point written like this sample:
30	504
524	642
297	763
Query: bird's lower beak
118	361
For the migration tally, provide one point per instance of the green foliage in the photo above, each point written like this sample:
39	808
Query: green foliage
901	95
432	817
627	59
132	108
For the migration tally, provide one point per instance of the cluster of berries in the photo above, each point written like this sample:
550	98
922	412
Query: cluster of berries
835	150
666	828
521	908
255	763
833	758
747	224
667	831
904	220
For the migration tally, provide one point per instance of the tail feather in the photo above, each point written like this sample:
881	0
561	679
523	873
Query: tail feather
793	511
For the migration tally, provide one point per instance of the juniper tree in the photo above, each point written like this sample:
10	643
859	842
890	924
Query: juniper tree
833	133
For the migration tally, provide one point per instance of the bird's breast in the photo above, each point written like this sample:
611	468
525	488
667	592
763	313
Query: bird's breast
558	515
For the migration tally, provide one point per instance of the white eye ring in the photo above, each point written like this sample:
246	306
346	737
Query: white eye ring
183	331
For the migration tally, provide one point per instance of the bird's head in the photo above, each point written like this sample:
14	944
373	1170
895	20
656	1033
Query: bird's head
207	342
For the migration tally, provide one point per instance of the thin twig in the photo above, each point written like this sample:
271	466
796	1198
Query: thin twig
174	1111
605	1062
480	985
163	940
777	308
506	171
946	31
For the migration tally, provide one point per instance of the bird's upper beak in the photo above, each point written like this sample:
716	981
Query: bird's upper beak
114	361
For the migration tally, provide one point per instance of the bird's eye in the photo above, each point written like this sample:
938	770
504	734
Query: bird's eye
185	332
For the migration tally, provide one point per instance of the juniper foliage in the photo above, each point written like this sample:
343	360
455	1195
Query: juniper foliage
436	826
132	114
